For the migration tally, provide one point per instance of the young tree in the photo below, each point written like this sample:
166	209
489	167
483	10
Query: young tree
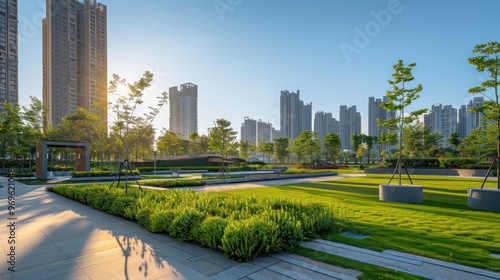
399	98
357	139
332	146
488	61
127	124
222	138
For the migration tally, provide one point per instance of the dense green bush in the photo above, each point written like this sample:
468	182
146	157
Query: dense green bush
172	183
415	162
97	173
457	162
211	231
186	223
246	239
242	228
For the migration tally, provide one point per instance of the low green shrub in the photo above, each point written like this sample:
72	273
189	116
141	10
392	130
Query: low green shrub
457	162
246	239
185	225
240	227
161	221
211	231
143	217
172	183
415	162
97	173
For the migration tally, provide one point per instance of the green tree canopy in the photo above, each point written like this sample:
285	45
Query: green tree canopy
222	138
487	60
332	146
399	98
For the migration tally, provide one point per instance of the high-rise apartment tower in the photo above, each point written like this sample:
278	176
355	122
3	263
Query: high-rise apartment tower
74	58
8	53
184	109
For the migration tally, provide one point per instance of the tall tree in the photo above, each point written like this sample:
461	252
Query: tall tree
266	149
125	108
244	149
332	144
369	141
168	143
454	141
281	150
481	142
398	99
357	139
308	146
222	138
488	61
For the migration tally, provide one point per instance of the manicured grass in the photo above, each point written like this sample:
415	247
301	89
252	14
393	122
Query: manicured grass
369	271
442	227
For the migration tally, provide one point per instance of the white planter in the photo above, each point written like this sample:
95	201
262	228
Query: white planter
484	199
401	193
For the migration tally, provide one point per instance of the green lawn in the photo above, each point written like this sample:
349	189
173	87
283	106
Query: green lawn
442	227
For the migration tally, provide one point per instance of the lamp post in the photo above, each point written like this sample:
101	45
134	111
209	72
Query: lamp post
155	152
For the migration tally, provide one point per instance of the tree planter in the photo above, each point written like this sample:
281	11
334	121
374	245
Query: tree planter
401	193
484	199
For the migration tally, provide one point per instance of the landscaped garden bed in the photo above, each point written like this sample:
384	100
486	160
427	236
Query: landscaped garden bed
242	228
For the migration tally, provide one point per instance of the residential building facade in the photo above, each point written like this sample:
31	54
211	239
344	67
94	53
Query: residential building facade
295	116
442	120
350	123
9	78
184	109
325	123
74	58
376	112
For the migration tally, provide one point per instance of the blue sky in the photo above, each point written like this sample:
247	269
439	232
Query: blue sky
242	53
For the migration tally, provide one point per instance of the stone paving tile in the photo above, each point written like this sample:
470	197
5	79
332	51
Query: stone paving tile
237	272
73	275
172	252
320	267
203	266
191	248
265	261
47	271
217	259
265	274
297	272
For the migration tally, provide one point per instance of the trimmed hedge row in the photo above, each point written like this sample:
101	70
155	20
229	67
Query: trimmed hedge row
172	183
209	168
97	173
434	162
242	228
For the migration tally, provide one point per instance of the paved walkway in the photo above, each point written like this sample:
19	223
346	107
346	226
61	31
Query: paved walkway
58	238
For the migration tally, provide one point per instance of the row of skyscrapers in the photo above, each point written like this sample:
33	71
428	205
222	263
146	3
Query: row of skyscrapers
296	117
75	75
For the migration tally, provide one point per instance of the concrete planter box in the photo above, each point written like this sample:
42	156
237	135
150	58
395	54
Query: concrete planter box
484	199
401	193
